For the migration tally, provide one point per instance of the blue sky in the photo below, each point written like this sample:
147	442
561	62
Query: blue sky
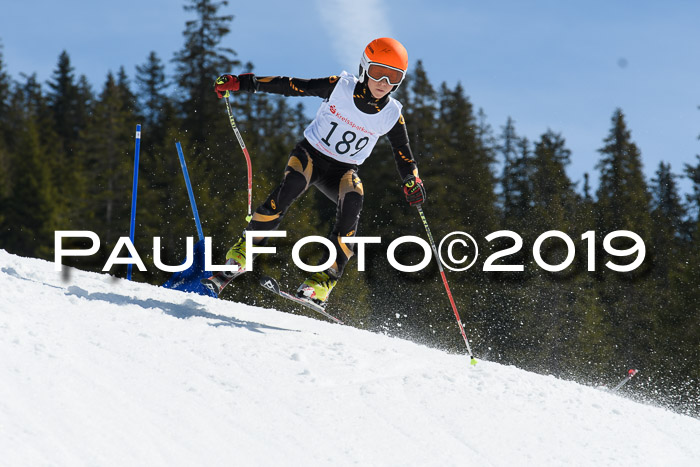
547	64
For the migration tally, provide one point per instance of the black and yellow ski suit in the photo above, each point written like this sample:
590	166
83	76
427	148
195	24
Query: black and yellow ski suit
309	167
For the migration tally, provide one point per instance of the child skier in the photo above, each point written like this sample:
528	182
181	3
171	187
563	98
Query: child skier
353	115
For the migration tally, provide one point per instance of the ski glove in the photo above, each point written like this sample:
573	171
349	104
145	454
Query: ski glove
225	83
414	190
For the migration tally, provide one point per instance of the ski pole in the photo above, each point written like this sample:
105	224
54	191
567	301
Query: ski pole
444	281
134	190
629	376
245	152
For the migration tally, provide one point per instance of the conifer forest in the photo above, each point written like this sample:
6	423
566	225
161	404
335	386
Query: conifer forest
67	159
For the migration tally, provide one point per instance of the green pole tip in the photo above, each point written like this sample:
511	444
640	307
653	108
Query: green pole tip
473	362
248	218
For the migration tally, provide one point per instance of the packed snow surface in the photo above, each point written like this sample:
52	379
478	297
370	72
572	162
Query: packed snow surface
100	371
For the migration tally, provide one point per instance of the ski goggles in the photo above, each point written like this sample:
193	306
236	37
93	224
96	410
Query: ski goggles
379	72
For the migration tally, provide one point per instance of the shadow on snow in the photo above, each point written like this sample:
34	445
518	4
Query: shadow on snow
188	309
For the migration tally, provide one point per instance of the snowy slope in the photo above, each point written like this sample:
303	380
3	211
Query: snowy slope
100	371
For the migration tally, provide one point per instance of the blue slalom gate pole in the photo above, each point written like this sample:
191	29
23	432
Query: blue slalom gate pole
137	151
189	280
189	190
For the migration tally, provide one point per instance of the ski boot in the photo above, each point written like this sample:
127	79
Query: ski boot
235	256
317	288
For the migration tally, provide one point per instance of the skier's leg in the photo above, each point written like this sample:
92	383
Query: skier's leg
350	196
268	216
297	177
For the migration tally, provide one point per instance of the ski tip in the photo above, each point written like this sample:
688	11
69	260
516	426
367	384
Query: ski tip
206	282
266	279
270	284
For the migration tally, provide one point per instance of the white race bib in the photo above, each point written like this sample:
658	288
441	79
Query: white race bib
342	131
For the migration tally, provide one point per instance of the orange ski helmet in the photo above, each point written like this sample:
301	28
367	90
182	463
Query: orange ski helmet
384	59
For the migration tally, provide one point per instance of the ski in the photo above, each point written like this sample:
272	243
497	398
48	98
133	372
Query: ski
273	286
218	281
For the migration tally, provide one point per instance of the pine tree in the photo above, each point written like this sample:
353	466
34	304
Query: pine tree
462	166
586	213
680	323
29	209
204	120
163	208
107	149
508	149
5	116
565	302
68	111
554	201
129	103
64	102
5	90
517	211
668	215
85	101
420	109
671	251
693	173
553	192
624	204
153	100
198	64
623	197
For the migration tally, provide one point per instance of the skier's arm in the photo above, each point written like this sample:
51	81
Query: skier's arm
412	184
317	87
248	82
398	137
